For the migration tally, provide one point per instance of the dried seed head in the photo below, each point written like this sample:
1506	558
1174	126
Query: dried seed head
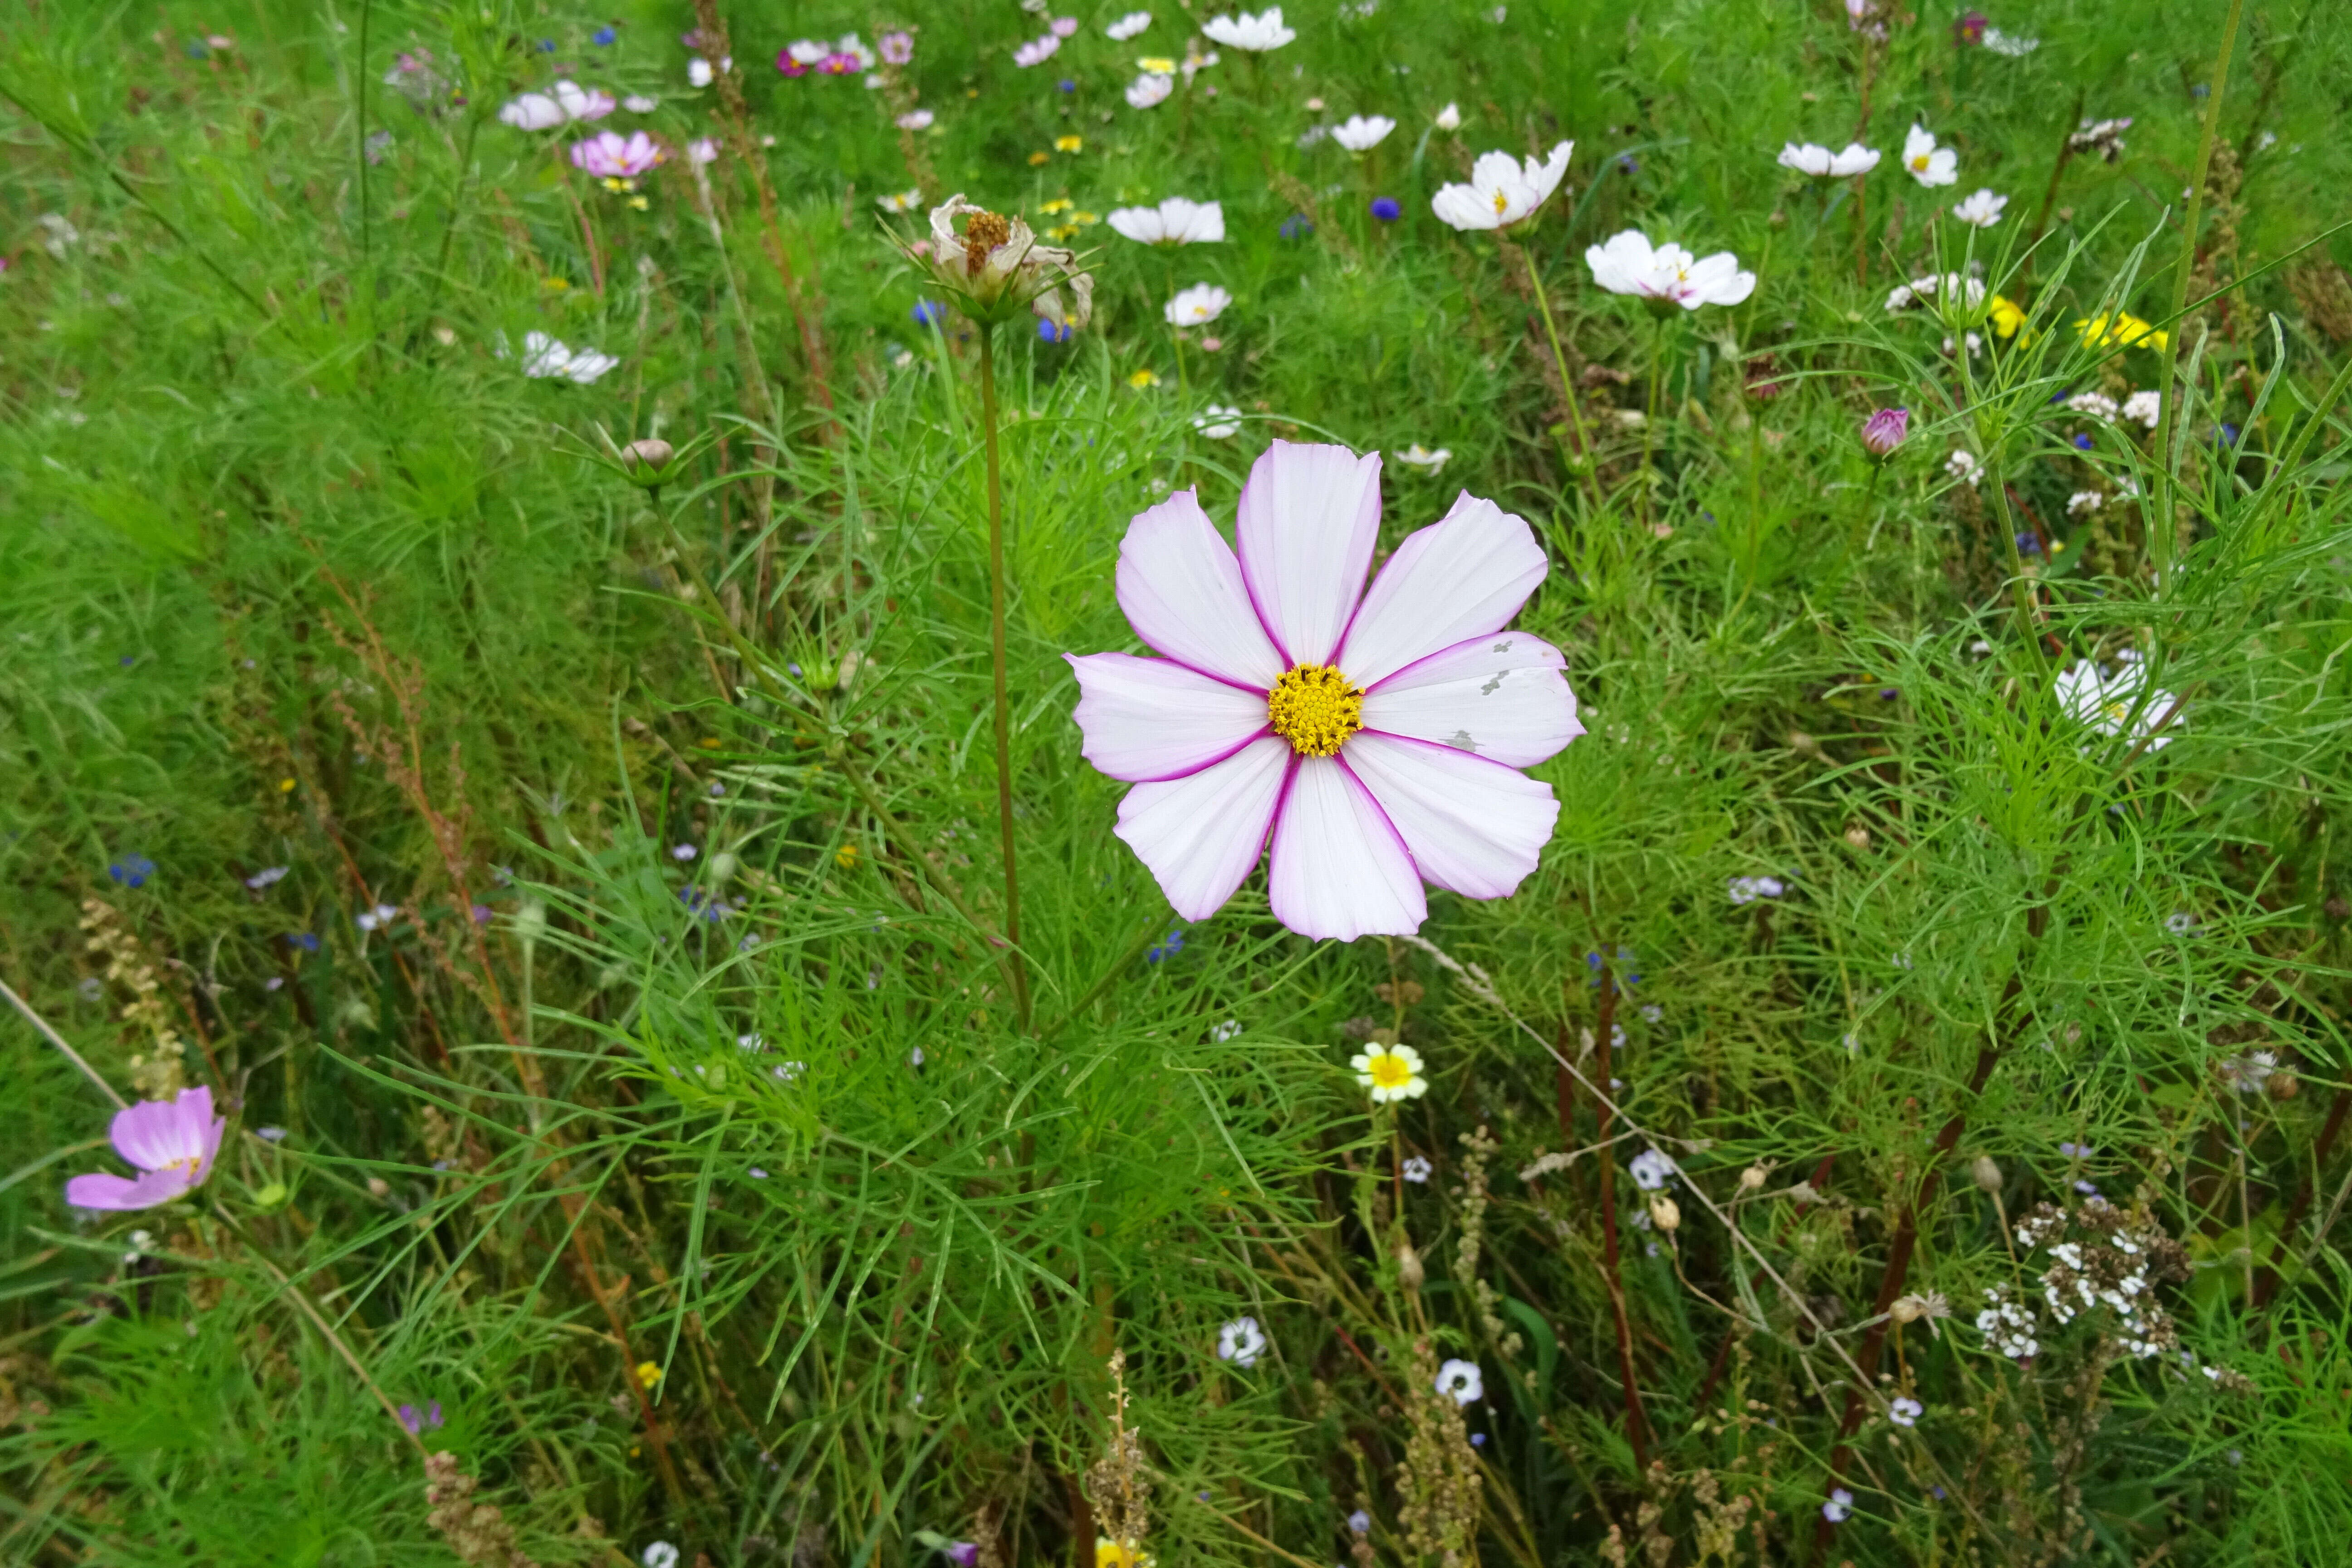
1664	1214
2280	1085
983	231
1751	1178
1987	1174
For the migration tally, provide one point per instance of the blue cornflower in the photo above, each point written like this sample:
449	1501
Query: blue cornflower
1066	85
131	870
2029	543
1296	224
308	940
1172	944
1385	209
1628	165
127	660
1626	978
547	45
2082	442
1054	333
602	36
928	312
2229	436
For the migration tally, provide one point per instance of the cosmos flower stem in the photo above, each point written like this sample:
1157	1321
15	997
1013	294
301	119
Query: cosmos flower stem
1861	228
1016	966
1650	420
1603	1024
41	1027
2167	460
1183	387
587	225
303	1305
1581	459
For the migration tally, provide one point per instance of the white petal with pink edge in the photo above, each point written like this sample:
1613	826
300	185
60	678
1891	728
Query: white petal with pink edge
1201	834
1151	719
1463	575
1308	521
1473	826
1340	870
1183	593
1501	696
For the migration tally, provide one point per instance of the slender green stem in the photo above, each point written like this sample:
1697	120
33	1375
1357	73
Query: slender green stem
1650	419
2167	409
71	1055
1015	967
1582	460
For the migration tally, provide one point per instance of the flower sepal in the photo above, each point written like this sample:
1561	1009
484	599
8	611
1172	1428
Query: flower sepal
649	462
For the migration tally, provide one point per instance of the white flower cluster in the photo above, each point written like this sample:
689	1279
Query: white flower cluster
1921	290
2108	1262
2097	404
2007	1326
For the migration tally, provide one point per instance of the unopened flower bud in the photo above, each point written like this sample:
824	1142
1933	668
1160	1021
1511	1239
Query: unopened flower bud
1752	1178
650	453
378	1187
1884	430
1409	1271
1987	1174
2280	1085
1664	1213
1908	1309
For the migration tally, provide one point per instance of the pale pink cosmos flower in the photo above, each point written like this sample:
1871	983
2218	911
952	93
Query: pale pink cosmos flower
898	47
172	1142
583	102
1036	51
532	111
1176	221
1811	158
915	119
1064	26
1371	739
1667	273
609	155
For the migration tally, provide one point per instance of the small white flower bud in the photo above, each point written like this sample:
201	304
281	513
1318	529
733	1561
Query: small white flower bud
1988	1175
652	452
1751	1178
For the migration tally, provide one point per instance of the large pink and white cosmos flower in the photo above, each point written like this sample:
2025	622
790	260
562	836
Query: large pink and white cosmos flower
1373	739
173	1142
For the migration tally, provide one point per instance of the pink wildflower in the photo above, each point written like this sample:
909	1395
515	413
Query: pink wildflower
1884	430
172	1142
609	155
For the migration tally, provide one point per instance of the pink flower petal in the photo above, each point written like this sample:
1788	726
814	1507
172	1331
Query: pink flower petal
1183	593
1151	719
99	1190
154	1133
1309	519
1462	576
1473	826
1501	695
1200	834
1340	868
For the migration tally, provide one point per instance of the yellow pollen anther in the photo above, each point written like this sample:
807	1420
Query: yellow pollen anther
1315	708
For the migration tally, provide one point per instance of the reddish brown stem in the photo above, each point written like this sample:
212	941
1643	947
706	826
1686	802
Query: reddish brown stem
1602	1026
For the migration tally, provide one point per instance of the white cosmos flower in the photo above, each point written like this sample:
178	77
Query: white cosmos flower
1251	35
1197	306
532	111
1149	90
1449	118
1218	422
899	201
1503	191
2113	705
1240	1342
1373	738
705	150
1037	50
583	102
915	119
1628	264
1462	1382
1983	209
545	357
1175	221
638	103
1420	456
1928	164
1810	158
1359	134
698	72
1126	26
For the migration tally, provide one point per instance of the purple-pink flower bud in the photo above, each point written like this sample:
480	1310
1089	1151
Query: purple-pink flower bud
1884	431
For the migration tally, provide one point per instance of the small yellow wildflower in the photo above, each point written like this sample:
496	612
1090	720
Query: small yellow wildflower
847	856
1069	143
1059	205
2006	317
2102	332
1110	1554
639	203
1143	378
555	285
648	1374
1038	158
1158	64
1084	219
285	787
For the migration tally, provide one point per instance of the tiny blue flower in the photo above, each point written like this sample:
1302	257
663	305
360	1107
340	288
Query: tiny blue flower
1386	209
1053	332
1172	945
2203	90
2229	436
131	870
1296	225
1628	164
547	45
305	940
603	37
2028	544
928	312
1066	85
127	660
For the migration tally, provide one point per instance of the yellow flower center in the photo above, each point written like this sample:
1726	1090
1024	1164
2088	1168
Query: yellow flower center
1315	708
1388	1071
1502	201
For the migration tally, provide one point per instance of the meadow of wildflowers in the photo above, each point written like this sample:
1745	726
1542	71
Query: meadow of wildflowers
1368	781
